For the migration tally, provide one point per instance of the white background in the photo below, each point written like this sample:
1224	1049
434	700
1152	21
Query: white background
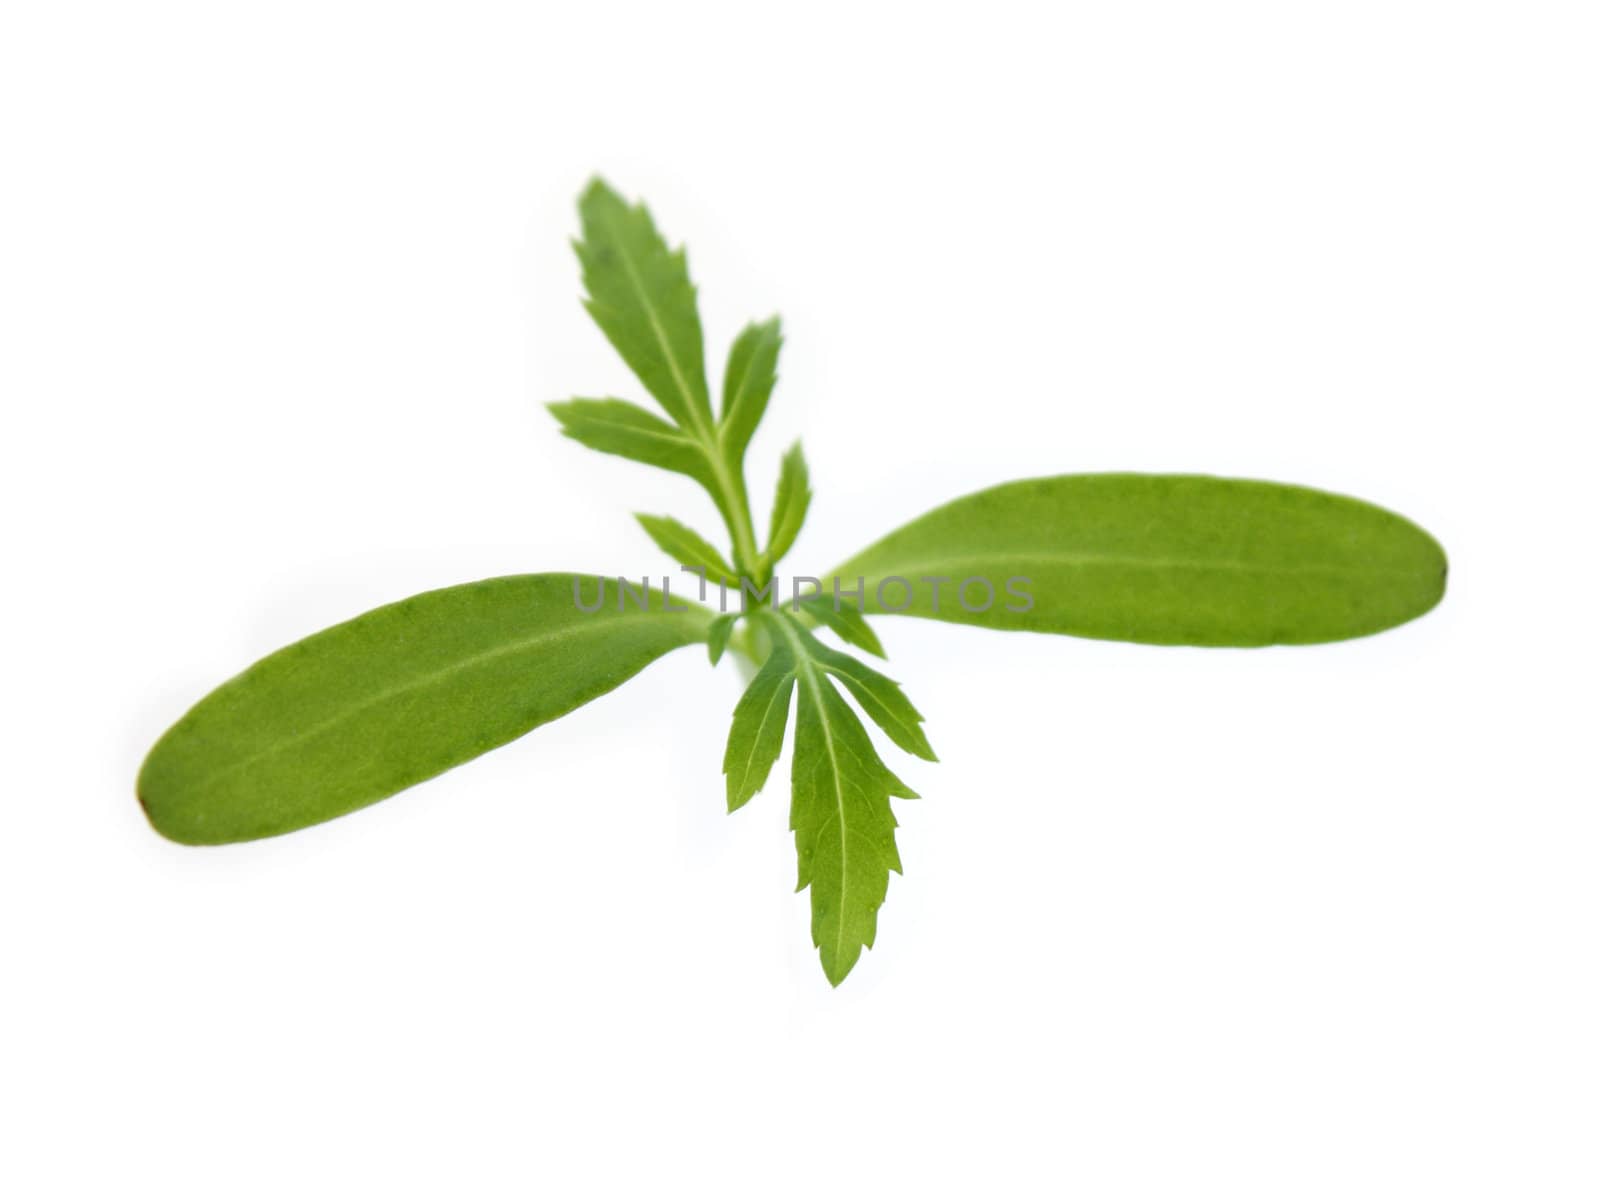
282	289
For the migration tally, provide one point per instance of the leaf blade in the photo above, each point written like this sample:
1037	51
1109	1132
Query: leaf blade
364	709
846	621
620	428
641	297
1164	559
685	545
760	720
879	696
843	825
747	385
717	638
840	812
789	506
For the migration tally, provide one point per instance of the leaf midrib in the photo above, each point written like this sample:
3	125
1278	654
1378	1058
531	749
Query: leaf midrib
807	667
869	690
1089	559
735	403
704	433
702	426
662	433
779	689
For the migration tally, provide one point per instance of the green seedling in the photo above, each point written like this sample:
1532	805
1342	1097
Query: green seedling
363	709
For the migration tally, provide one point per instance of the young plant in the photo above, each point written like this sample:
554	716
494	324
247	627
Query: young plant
364	709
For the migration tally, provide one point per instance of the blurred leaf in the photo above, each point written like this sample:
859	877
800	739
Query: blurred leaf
624	429
789	506
641	297
687	546
747	386
845	620
717	638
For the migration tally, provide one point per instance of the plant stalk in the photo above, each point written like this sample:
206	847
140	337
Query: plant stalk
733	501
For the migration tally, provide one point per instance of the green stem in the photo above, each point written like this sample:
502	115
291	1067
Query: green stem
733	501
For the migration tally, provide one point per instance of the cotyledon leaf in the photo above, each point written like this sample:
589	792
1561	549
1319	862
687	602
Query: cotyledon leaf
1169	559
363	709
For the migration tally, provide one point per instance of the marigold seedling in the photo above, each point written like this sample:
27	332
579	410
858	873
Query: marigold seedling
364	709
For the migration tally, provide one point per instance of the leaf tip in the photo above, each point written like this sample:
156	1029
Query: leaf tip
167	823
837	969
598	191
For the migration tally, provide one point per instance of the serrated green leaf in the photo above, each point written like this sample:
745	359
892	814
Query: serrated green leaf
845	621
687	546
366	708
641	297
717	638
841	817
759	721
789	505
899	789
628	431
877	694
747	384
1169	559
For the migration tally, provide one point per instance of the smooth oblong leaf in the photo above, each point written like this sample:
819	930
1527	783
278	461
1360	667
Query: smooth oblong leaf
1167	559
366	708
